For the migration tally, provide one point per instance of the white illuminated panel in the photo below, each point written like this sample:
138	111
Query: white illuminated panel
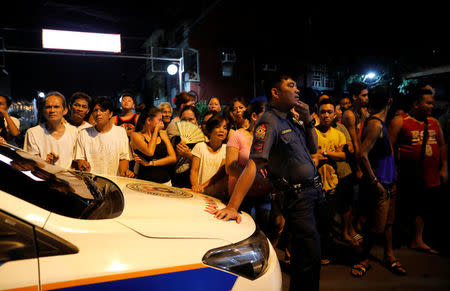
86	41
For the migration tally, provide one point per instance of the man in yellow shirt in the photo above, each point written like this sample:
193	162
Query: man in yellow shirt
331	145
330	149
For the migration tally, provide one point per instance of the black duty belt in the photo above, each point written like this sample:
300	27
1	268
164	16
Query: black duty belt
305	184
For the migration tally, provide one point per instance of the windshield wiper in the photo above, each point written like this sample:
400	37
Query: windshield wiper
92	186
96	193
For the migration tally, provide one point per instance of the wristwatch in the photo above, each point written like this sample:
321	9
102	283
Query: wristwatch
324	153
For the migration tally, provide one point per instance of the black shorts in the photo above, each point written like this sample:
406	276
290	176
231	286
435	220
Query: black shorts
345	193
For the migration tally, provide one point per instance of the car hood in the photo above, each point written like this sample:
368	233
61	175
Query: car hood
158	211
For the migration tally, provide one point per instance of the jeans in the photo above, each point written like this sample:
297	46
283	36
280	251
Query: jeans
259	209
300	212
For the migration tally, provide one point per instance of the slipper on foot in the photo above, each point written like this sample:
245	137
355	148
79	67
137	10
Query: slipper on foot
426	250
360	270
396	268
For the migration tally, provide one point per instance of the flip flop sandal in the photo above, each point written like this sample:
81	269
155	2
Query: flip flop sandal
396	268
426	251
360	270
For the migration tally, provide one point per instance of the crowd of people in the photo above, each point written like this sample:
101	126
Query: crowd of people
373	166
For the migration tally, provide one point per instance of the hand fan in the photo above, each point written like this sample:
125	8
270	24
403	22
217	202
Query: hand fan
190	132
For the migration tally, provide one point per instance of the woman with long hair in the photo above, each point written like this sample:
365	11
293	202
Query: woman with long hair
153	151
238	151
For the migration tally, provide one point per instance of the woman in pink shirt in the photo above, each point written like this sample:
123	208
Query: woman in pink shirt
238	151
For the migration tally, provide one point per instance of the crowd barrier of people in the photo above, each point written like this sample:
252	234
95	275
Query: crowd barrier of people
379	169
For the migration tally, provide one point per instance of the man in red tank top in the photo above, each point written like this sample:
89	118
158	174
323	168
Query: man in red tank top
127	119
422	166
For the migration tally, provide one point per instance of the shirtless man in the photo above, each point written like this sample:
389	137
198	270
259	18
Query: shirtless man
353	119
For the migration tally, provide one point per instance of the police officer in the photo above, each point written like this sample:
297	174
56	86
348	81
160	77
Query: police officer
283	145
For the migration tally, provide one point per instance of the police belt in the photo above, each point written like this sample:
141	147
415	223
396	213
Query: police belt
285	186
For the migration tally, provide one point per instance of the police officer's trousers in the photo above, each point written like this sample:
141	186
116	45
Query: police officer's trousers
300	212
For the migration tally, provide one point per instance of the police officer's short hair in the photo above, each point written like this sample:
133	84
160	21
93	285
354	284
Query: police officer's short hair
273	80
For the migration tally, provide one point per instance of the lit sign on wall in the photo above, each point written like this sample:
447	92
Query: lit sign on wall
86	41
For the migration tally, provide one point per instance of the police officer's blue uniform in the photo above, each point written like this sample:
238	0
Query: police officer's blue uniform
281	141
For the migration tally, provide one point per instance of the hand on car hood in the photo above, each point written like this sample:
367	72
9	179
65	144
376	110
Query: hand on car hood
155	210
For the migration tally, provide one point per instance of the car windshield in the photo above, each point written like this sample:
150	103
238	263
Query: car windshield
70	193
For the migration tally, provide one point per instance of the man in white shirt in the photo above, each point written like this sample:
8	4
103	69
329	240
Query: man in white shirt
9	126
54	140
79	107
103	149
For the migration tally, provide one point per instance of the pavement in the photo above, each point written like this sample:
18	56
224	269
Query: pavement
425	272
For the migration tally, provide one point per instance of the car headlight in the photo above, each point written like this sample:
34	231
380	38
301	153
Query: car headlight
247	258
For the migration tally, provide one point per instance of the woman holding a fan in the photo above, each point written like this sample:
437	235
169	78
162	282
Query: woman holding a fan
183	142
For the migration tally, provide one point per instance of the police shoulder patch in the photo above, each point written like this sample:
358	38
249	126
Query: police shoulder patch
260	131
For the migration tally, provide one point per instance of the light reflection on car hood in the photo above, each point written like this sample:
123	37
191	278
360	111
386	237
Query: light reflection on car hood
155	210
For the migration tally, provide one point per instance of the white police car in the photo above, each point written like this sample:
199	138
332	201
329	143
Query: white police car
65	229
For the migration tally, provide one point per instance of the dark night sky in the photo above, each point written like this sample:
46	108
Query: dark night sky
283	30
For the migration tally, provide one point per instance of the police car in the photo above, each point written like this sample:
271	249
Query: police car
68	229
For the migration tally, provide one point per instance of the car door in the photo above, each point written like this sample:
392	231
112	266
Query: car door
19	266
21	246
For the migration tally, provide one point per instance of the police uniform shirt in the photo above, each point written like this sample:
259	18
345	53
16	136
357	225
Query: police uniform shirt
280	141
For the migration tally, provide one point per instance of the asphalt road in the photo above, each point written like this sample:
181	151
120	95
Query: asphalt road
425	272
